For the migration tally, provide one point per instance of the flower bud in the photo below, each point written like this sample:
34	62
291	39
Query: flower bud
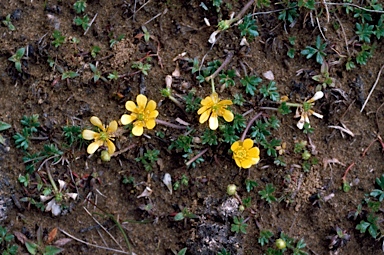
231	189
280	244
105	156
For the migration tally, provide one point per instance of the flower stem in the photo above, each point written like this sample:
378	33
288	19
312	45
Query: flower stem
196	157
51	180
165	123
249	125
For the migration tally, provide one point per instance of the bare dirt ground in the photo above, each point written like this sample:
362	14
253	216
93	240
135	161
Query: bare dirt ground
310	204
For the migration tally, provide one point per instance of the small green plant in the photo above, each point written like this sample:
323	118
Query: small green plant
96	73
6	240
7	22
146	34
248	27
223	252
24	179
270	91
113	41
264	237
379	193
148	159
239	225
143	67
83	22
226	78
80	6
16	58
209	137
192	103
72	134
40	247
371	224
250	83
238	99
208	70
185	213
291	50
30	125
113	76
250	185
364	31
59	39
365	53
95	50
318	51
289	13
69	75
181	252
323	78
267	193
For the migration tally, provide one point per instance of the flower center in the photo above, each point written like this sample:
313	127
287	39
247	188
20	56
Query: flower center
104	136
141	117
241	153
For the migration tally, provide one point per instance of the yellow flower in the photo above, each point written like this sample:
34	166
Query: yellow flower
102	138
144	114
211	108
244	154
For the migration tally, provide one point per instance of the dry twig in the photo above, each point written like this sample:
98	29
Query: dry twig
373	88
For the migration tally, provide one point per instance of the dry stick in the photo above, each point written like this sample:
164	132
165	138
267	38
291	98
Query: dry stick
165	123
346	172
326	9
196	157
355	5
373	88
345	37
249	125
225	63
93	245
110	235
90	24
133	16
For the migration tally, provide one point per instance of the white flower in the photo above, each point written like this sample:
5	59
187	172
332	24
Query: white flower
304	111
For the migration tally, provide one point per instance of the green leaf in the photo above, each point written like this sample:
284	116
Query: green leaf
362	226
4	126
52	250
31	247
179	216
182	251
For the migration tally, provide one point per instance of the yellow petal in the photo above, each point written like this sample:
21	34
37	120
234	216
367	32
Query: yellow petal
141	101
213	122
207	102
248	143
151	123
204	117
151	106
246	163
97	122
130	106
235	146
153	114
112	127
137	130
228	116
203	109
94	146
254	152
225	102
111	147
88	134
238	162
126	119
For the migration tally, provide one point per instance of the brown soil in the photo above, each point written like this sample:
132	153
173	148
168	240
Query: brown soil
179	27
